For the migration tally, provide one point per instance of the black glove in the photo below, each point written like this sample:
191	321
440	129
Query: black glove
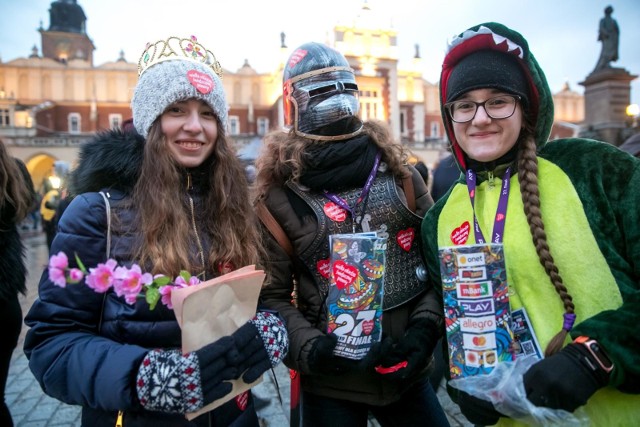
322	360
480	412
411	354
169	381
565	380
261	344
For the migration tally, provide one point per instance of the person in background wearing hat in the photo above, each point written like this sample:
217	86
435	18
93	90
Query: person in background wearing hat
178	201
330	173
567	213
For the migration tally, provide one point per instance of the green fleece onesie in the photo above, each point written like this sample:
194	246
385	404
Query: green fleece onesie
590	204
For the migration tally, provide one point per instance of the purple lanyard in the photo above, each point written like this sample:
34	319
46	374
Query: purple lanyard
363	195
501	212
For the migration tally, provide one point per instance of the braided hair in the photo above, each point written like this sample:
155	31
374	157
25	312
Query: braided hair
528	179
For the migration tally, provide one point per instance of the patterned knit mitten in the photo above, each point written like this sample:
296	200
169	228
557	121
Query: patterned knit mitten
262	343
169	381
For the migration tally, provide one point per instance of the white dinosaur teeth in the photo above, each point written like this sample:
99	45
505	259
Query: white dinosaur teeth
497	39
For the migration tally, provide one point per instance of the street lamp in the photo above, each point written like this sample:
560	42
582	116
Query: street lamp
633	111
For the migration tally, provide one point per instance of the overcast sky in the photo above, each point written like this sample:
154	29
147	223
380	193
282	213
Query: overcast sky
562	34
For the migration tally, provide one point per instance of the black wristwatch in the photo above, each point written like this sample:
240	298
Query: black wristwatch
597	352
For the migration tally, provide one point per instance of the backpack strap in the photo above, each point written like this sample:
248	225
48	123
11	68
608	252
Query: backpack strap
274	227
407	186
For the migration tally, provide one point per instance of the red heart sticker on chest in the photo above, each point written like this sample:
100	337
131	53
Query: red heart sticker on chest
335	212
499	217
201	81
460	235
344	274
405	238
324	268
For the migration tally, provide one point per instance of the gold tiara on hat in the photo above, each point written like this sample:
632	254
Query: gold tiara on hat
175	48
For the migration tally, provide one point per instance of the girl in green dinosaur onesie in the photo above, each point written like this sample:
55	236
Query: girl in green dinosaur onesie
567	213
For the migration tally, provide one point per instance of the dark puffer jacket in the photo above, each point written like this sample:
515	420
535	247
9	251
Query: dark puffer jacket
85	348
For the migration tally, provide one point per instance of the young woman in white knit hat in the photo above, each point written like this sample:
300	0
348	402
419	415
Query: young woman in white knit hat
178	201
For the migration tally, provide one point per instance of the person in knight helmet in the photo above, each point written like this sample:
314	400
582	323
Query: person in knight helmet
331	173
566	215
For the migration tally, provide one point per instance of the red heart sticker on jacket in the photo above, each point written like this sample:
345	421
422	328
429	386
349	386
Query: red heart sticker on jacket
201	81
344	274
499	217
335	212
405	238
242	400
460	235
324	268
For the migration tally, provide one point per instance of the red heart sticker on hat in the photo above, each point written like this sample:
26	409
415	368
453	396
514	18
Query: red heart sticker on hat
460	235
296	57
335	212
344	274
201	81
324	268
405	238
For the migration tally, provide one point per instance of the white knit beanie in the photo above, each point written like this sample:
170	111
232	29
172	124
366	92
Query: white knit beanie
174	77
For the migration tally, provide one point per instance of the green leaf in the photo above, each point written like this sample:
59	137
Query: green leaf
162	280
185	275
152	296
80	264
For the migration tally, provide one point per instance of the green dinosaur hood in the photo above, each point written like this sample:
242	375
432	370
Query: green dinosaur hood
497	37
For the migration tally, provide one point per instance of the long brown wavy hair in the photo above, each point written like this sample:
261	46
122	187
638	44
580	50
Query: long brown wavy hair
283	155
164	217
14	190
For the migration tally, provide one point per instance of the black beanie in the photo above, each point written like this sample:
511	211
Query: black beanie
488	69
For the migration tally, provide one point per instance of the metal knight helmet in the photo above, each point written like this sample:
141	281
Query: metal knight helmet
320	94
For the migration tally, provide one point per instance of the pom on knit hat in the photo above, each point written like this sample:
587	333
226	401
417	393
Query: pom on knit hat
174	70
488	69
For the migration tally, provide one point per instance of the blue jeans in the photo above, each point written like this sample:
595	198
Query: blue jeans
418	406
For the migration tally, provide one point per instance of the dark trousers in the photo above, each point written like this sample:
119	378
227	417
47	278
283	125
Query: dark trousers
49	228
418	406
11	321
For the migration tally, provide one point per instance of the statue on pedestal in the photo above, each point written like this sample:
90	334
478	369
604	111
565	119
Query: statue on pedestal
609	35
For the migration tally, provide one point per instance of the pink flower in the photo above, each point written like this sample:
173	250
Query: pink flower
129	282
165	291
59	261
57	276
100	279
75	275
131	298
181	283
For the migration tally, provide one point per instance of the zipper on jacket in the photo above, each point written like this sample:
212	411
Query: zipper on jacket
195	230
490	179
119	419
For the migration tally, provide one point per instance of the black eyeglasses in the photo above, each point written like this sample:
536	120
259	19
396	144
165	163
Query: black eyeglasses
498	107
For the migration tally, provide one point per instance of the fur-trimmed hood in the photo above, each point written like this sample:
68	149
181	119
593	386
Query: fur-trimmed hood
112	159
